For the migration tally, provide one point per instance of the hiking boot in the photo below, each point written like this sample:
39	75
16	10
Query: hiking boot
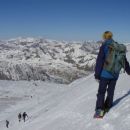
106	110
99	113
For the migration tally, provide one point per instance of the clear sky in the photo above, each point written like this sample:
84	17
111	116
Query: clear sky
65	19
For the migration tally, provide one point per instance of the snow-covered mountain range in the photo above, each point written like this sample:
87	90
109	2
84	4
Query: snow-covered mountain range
44	59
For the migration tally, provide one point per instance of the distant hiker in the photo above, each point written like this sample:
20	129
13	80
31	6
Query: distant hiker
111	59
19	117
24	116
7	123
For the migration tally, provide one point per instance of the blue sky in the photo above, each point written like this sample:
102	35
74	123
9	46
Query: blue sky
65	19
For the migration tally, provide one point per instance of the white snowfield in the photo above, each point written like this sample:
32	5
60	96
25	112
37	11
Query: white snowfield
62	107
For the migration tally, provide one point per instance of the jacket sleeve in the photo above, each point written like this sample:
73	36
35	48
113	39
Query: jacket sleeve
99	62
127	67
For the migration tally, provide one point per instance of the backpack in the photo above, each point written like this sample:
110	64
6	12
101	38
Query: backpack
115	59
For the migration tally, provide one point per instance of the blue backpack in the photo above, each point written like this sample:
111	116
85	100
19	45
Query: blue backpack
115	59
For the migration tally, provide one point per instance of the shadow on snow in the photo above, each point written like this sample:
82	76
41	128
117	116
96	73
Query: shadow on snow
121	98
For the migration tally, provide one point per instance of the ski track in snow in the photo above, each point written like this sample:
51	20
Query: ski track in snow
62	107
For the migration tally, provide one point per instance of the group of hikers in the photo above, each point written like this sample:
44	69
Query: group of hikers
23	116
110	60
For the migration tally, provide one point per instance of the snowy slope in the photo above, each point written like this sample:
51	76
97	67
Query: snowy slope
55	107
62	107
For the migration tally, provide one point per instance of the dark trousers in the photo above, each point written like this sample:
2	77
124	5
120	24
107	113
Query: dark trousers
109	86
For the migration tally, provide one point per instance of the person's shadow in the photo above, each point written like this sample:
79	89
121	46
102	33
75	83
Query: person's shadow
119	99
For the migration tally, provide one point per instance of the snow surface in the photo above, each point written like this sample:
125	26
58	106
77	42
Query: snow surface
62	107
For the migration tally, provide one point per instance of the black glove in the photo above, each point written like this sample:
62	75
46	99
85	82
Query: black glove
97	77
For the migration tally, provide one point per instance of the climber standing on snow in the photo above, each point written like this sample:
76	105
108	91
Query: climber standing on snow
25	116
7	123
111	59
19	117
